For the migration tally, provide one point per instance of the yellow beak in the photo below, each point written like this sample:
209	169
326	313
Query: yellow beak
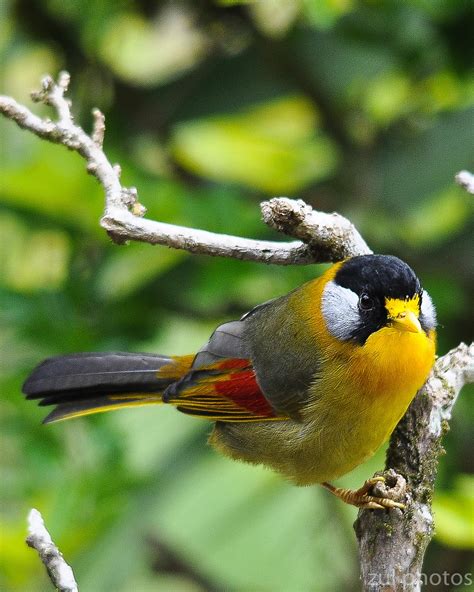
406	321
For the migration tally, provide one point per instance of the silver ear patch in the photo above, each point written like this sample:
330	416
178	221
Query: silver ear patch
427	312
340	310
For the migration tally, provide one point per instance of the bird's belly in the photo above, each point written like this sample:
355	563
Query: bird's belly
309	452
346	419
345	439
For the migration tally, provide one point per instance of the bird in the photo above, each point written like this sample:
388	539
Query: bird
309	384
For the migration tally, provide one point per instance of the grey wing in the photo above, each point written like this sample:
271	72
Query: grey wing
283	372
266	336
227	341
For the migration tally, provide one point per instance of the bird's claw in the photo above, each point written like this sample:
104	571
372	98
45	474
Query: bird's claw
361	498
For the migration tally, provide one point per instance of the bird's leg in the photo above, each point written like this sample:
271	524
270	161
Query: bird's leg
360	497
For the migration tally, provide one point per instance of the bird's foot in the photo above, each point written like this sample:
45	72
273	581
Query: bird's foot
361	498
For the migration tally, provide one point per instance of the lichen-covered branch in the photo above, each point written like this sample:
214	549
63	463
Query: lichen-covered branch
329	237
324	237
60	573
392	544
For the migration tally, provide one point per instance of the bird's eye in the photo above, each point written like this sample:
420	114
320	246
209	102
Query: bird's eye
366	302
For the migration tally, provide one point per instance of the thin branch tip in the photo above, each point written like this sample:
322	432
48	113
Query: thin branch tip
60	573
98	132
64	80
465	179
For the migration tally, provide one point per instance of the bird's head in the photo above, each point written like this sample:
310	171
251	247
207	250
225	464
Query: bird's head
371	292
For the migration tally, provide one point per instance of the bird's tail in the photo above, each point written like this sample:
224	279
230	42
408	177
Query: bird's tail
81	384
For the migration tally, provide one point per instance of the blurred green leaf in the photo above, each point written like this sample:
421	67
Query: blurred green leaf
272	147
21	73
147	52
275	17
454	514
436	219
444	90
30	259
324	13
404	173
387	97
129	268
49	180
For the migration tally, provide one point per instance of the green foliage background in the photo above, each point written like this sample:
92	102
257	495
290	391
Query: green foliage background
361	107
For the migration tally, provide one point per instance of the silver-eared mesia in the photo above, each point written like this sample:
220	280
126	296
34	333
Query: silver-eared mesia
309	384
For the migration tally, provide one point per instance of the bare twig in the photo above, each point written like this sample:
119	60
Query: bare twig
466	180
325	237
99	127
392	544
60	573
52	93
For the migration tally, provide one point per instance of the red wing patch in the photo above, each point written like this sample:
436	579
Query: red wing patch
225	391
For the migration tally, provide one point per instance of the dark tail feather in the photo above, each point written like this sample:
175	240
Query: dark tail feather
81	384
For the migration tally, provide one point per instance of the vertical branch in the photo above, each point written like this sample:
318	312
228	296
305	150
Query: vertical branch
392	544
